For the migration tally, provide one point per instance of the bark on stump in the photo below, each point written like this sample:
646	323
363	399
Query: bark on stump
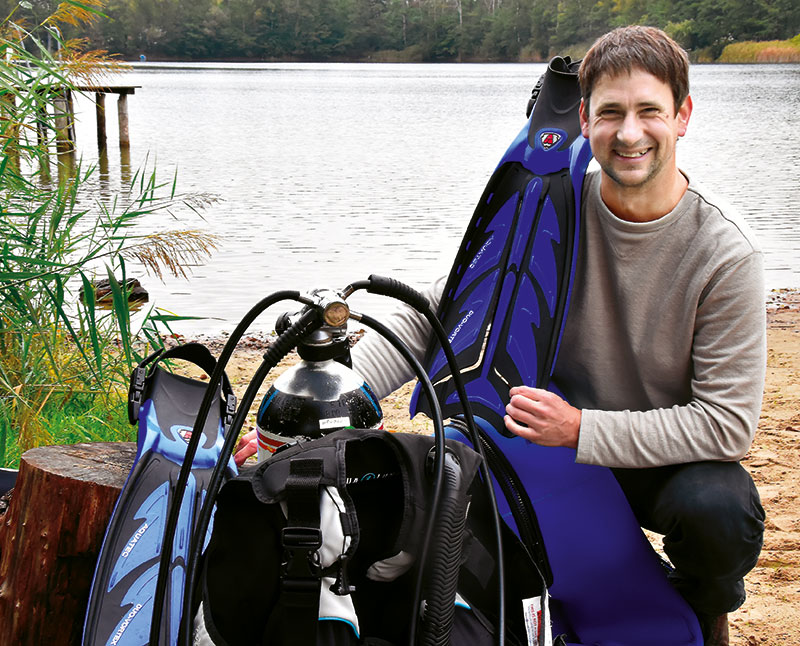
50	537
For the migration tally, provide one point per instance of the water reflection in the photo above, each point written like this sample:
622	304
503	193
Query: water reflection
125	165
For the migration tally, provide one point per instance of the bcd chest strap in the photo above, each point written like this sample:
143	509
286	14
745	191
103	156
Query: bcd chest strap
301	539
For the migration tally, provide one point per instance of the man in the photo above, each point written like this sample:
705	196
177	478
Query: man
664	351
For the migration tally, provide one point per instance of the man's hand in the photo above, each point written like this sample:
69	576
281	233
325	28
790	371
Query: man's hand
548	419
248	445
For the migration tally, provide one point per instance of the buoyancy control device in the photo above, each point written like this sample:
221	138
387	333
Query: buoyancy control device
385	538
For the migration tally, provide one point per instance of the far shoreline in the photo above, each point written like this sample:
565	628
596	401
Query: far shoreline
770	52
777	300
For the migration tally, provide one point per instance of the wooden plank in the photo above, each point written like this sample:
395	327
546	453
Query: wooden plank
109	89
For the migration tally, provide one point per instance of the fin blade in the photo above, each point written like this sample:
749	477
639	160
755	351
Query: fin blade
120	604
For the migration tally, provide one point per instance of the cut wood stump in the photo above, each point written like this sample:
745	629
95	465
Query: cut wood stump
50	537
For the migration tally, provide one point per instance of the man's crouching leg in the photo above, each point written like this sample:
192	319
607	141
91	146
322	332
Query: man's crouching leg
713	525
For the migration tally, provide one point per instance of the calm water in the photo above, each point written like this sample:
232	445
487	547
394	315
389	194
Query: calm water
320	174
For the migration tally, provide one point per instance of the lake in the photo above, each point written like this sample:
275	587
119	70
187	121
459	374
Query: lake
318	175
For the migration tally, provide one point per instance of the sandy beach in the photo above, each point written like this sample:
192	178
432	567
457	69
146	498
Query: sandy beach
771	614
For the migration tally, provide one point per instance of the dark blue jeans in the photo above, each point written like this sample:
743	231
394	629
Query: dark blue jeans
713	525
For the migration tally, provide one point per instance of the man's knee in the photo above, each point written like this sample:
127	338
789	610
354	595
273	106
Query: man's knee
714	518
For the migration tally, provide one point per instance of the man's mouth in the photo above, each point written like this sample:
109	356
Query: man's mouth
632	155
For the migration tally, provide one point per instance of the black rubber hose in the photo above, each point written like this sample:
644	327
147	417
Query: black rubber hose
285	343
395	289
442	580
439	448
191	450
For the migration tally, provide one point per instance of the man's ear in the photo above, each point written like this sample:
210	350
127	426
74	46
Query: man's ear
684	113
583	112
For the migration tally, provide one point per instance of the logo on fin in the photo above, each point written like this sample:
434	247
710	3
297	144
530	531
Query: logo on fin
184	432
549	139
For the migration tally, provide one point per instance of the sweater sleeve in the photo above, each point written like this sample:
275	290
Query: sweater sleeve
378	362
728	370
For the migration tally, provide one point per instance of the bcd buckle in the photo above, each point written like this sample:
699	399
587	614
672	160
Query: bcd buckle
300	556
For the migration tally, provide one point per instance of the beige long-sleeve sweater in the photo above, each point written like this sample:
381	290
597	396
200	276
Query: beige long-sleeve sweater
665	344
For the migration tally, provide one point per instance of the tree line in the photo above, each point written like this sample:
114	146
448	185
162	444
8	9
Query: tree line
414	30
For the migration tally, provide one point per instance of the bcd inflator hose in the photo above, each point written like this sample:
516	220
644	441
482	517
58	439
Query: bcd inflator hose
442	577
285	343
390	287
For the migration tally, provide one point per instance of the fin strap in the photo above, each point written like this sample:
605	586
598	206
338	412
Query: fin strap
195	353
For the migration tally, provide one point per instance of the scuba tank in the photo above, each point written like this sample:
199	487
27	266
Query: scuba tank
317	396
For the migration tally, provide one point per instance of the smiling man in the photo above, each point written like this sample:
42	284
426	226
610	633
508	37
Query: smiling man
663	355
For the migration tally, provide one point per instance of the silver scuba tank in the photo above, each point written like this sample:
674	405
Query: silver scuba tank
318	395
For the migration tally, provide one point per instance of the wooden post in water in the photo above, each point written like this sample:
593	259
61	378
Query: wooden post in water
10	129
41	125
71	119
122	111
100	109
64	143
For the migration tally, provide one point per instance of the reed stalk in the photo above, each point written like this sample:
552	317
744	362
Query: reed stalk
64	363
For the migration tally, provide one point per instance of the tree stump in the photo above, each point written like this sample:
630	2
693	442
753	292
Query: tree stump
50	537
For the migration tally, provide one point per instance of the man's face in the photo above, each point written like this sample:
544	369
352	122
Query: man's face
632	128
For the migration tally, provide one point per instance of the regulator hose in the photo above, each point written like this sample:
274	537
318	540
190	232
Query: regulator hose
215	379
438	467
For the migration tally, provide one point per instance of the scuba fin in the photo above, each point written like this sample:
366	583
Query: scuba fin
504	308
165	406
506	297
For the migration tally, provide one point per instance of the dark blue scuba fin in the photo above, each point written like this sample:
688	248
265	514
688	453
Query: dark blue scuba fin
504	308
165	405
505	300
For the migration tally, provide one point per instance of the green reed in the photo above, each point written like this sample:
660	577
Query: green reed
64	363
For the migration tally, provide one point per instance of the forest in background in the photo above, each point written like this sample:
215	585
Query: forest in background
411	30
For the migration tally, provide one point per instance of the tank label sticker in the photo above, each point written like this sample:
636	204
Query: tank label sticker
334	422
268	443
537	621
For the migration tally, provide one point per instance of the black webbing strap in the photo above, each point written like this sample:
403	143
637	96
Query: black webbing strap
301	538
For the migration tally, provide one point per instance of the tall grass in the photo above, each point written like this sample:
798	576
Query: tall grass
773	51
64	363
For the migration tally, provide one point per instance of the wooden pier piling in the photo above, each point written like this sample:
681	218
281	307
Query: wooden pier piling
64	113
100	110
122	91
122	111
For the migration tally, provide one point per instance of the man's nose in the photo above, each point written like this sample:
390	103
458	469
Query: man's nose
630	129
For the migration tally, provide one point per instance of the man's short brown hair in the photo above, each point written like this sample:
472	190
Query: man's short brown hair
637	47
